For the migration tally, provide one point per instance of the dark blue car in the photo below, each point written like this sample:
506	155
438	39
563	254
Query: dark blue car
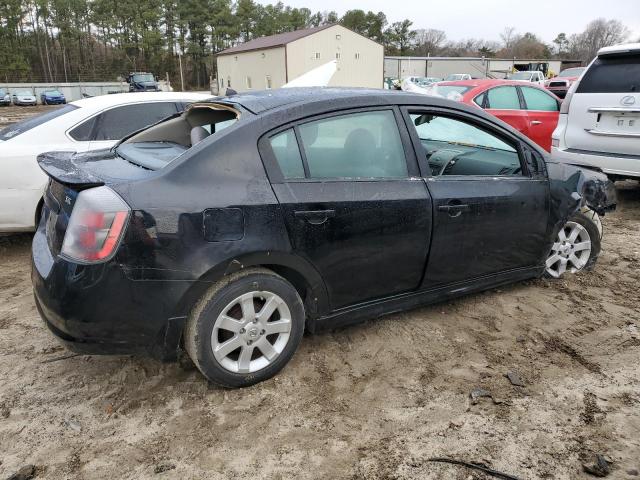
52	97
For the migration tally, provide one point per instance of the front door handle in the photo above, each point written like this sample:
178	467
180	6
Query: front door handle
315	217
454	210
536	122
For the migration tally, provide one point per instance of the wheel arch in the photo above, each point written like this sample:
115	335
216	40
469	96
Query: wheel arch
293	268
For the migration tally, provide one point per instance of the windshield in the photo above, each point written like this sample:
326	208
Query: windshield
521	76
26	125
572	72
24	92
143	77
452	92
52	92
455	76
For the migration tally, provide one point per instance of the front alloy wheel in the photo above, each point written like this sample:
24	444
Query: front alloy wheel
571	251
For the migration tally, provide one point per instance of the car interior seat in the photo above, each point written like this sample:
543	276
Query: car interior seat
198	134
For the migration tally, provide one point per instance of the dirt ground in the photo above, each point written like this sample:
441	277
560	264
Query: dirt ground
374	401
12	114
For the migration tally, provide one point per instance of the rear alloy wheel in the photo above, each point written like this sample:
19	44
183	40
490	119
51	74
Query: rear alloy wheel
251	332
576	248
245	328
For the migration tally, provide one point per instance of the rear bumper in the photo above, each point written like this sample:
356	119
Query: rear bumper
98	310
621	165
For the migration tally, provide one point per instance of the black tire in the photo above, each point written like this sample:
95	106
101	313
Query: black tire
591	223
200	324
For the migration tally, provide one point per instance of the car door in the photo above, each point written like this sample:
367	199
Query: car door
490	210
542	111
504	103
353	202
114	124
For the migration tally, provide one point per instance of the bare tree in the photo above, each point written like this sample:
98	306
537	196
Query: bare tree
508	37
598	34
429	41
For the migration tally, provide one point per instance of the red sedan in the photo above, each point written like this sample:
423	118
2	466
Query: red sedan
528	108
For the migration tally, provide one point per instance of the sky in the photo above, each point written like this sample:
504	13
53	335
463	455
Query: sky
485	19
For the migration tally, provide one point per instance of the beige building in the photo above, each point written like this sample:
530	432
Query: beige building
270	62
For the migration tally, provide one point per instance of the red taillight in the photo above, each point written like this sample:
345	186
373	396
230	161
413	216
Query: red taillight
96	226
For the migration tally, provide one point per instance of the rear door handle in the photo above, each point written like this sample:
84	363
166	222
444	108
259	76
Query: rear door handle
454	210
315	217
536	122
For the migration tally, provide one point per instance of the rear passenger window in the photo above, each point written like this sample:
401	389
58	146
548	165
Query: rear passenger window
82	132
503	98
355	145
479	100
455	147
538	100
119	122
285	149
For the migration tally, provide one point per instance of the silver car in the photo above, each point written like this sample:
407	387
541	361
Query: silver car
5	98
24	97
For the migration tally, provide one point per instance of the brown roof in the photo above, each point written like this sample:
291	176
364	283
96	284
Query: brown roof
271	41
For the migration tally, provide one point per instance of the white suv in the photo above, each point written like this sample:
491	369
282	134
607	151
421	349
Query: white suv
599	120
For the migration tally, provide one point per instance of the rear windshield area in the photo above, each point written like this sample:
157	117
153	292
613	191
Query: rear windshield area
614	74
157	146
26	125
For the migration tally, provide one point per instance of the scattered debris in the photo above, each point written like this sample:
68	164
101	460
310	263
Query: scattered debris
64	357
478	393
591	409
163	467
633	472
73	425
599	469
25	473
514	378
475	466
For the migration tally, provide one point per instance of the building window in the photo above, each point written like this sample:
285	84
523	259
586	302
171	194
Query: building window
264	55
236	58
268	82
249	83
338	37
317	55
357	56
337	55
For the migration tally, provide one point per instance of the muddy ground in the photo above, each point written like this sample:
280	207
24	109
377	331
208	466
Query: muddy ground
374	401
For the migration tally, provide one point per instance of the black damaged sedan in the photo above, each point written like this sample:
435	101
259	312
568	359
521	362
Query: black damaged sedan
229	229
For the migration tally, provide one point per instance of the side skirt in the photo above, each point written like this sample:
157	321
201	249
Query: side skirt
407	301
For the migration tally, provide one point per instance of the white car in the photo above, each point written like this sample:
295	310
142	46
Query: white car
454	77
530	76
89	124
599	122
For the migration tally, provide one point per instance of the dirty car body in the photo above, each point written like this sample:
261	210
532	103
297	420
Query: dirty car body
357	246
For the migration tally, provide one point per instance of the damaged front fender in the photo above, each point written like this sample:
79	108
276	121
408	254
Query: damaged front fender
574	187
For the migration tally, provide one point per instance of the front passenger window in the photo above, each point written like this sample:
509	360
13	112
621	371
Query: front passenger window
455	147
